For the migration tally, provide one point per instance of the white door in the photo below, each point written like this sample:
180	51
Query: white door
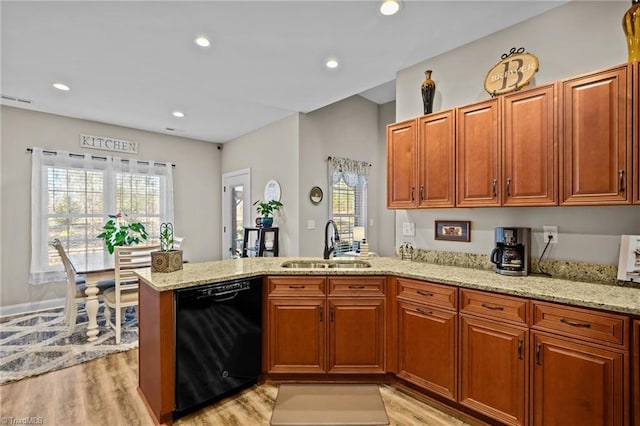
236	210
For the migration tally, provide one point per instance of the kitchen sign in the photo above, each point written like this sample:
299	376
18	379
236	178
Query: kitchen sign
108	144
514	71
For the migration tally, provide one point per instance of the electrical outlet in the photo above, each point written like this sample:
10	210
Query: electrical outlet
550	231
408	229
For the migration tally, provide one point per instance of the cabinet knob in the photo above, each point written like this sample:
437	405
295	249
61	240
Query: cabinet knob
538	350
508	187
520	343
620	180
413	193
494	186
421	192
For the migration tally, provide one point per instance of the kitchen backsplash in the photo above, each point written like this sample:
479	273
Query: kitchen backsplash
574	271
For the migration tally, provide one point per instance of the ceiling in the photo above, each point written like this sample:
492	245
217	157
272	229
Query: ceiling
134	63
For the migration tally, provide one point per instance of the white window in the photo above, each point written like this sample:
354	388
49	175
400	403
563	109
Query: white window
72	195
348	199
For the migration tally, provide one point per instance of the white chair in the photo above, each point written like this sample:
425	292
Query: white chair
125	292
75	288
178	243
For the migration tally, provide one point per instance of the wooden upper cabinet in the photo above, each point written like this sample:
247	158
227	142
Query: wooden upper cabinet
530	148
478	155
436	160
401	164
596	153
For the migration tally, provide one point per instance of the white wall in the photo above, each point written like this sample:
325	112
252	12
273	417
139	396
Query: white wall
196	183
573	39
271	152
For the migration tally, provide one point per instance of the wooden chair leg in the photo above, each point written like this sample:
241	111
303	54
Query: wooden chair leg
71	317
107	315
118	324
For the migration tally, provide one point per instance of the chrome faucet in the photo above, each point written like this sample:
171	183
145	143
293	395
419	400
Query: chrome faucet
335	237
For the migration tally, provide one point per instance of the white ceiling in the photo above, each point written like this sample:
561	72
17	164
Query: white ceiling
133	63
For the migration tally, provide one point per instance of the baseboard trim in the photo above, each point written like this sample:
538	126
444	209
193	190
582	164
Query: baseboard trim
27	308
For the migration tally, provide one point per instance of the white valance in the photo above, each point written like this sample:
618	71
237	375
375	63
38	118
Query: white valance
353	172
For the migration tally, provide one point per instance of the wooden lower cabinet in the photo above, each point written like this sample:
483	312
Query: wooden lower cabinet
356	335
494	369
636	373
296	340
326	325
576	384
427	347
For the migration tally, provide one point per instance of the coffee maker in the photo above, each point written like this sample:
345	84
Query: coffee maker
512	254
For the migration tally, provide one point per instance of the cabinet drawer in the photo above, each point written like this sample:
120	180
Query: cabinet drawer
296	286
599	327
356	286
494	306
429	293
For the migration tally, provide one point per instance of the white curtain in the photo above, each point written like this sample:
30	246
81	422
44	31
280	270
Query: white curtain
352	171
40	270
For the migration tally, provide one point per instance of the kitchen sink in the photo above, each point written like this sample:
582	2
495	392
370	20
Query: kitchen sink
325	264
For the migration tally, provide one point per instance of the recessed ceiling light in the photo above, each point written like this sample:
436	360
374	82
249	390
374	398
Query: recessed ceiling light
61	86
202	41
389	7
178	114
332	63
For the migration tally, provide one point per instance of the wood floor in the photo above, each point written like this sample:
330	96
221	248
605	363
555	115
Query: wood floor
103	392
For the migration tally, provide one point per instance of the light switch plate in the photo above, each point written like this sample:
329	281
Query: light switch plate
311	224
408	229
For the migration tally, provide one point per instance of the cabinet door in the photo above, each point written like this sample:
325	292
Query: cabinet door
493	369
636	373
436	165
576	384
401	164
530	148
296	340
356	335
478	155
427	348
635	185
596	125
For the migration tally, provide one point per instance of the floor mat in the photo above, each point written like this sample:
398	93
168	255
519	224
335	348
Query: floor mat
328	404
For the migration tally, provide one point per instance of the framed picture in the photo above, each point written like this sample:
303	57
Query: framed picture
453	230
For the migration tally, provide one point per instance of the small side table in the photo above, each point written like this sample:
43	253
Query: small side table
255	241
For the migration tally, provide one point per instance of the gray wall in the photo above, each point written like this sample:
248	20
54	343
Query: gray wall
573	39
196	183
271	152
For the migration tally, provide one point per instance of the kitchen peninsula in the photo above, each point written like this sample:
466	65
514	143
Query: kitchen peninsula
395	304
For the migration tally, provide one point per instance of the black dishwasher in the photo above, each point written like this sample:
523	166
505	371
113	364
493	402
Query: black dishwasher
218	341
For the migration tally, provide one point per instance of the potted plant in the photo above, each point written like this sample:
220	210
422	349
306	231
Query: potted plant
166	259
117	232
265	210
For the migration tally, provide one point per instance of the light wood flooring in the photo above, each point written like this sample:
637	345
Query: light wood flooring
103	392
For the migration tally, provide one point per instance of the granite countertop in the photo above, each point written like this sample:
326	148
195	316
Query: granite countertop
592	295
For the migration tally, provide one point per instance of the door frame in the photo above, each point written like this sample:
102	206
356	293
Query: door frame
238	176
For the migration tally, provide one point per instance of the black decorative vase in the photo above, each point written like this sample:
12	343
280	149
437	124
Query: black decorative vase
428	92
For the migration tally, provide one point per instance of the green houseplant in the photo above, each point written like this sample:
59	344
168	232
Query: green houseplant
166	259
117	232
265	210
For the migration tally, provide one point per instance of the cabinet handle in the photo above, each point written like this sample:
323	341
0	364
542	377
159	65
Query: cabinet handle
355	287
296	286
538	350
331	318
424	293
413	193
575	324
508	187
494	185
424	311
493	308
421	192
620	180
520	342
321	314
